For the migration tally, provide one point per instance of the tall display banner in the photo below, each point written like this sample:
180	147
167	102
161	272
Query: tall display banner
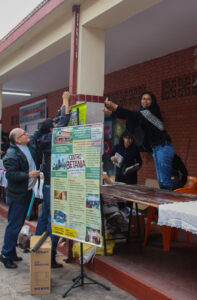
75	182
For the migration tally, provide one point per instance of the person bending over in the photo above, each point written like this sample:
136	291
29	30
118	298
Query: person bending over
148	129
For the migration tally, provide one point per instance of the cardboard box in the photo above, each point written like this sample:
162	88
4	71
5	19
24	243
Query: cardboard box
40	267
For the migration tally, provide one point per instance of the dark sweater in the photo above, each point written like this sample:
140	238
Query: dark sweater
146	134
131	156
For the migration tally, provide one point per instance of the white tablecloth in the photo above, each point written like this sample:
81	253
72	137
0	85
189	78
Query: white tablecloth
181	215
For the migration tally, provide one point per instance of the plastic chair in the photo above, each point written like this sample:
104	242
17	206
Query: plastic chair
169	233
151	216
186	190
191	182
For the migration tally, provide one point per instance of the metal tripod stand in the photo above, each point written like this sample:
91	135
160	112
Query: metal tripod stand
81	277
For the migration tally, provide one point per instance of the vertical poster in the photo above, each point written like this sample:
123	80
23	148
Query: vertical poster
75	183
78	114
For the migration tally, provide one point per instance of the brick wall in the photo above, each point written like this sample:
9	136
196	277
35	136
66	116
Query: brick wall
170	77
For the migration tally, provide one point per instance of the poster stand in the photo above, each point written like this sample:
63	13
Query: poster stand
81	277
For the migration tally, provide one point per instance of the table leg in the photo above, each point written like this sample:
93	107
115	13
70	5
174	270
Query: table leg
103	227
151	215
138	224
166	237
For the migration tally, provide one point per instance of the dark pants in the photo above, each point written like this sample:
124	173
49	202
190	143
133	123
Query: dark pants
16	217
44	220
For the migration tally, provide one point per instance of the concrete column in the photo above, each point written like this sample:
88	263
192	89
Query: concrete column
91	62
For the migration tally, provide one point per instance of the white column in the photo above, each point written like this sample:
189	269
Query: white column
91	61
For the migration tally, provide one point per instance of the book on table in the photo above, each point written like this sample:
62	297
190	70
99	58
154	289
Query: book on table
131	169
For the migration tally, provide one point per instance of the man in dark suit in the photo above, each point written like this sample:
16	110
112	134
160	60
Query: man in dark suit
21	164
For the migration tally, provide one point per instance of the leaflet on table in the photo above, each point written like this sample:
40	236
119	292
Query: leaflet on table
75	182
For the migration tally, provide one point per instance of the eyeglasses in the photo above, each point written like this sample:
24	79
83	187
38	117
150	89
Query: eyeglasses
147	99
24	133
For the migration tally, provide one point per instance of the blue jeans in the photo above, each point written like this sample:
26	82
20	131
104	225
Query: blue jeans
163	156
16	217
44	220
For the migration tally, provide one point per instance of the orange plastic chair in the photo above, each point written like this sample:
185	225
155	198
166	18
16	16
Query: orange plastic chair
191	182
169	233
151	216
186	190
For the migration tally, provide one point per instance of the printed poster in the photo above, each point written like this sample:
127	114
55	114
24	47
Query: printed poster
31	115
78	114
75	183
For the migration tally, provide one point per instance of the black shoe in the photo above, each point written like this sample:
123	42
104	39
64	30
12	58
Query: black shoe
55	264
8	263
17	258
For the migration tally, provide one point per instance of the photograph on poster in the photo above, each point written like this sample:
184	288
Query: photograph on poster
60	217
62	136
92	201
93	235
59	162
60	195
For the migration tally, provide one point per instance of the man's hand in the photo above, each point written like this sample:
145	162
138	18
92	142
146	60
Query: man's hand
66	95
66	98
111	106
107	112
113	159
34	174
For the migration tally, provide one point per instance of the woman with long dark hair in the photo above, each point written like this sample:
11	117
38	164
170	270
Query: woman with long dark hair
149	133
131	161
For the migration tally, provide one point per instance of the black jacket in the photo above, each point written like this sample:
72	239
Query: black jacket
17	170
131	156
45	147
146	134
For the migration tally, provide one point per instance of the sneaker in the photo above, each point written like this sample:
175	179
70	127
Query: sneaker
55	264
8	263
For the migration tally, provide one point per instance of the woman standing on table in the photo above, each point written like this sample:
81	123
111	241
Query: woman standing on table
126	155
149	133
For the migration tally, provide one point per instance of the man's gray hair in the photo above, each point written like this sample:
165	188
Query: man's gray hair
13	135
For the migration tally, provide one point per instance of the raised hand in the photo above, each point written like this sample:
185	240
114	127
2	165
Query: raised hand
111	106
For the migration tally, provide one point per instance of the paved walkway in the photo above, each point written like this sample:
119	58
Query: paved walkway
15	284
